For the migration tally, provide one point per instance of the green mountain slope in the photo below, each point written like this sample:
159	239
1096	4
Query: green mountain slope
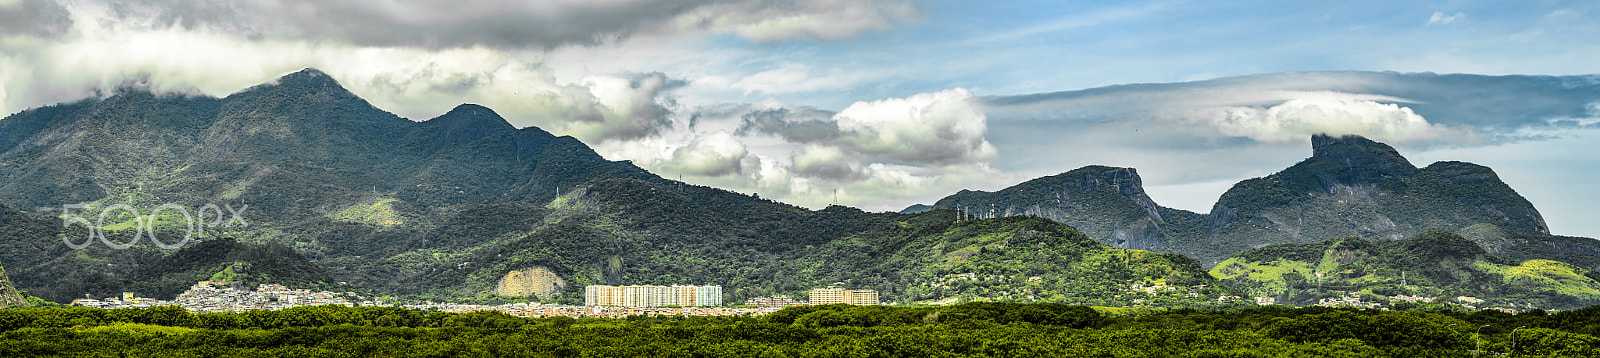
1581	251
227	260
1433	264
1352	186
632	232
309	165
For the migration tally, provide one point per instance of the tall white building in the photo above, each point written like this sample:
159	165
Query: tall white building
652	296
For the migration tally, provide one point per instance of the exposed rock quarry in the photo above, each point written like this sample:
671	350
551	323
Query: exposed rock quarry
534	281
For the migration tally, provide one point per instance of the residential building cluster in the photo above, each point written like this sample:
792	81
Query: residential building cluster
208	296
824	296
774	301
541	310
1351	299
652	296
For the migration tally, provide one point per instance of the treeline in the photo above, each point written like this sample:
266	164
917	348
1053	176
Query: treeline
974	329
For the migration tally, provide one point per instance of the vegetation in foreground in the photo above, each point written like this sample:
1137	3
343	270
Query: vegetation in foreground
973	329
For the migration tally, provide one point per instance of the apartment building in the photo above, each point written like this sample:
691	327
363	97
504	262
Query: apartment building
823	296
652	296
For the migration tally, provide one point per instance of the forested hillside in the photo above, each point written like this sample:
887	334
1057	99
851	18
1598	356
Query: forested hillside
1436	267
632	232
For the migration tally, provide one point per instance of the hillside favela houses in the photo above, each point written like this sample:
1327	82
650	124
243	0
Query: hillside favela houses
824	296
652	296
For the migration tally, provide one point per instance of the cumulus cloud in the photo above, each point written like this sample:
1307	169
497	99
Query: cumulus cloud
929	128
828	163
879	154
925	129
609	107
715	154
1440	18
1298	119
799	125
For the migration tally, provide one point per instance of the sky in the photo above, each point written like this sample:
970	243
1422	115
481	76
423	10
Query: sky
881	104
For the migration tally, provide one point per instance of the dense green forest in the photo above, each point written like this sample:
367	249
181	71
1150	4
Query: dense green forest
967	330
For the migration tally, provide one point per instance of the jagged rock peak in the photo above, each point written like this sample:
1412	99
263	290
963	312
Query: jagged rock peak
1355	146
1355	160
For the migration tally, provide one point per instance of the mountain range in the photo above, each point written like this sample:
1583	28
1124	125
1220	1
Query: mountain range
1349	187
459	207
301	182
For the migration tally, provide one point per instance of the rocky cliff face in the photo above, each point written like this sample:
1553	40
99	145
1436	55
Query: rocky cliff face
1107	203
1354	161
534	281
9	296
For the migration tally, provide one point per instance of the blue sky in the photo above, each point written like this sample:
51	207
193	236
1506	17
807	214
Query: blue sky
886	103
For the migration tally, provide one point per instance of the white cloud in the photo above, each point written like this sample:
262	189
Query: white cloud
1298	119
826	162
715	154
879	155
1440	18
929	128
100	53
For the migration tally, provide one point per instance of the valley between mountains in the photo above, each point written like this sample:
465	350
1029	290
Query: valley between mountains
333	193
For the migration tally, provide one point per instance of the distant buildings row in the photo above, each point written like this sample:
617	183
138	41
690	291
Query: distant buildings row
689	296
774	301
208	296
826	296
652	296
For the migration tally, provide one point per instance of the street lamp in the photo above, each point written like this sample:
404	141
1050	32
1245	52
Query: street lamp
1514	338
1480	340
